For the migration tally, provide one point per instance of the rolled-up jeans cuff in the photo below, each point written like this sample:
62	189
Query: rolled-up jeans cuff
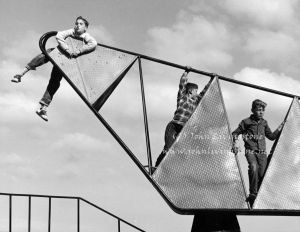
44	103
46	99
30	67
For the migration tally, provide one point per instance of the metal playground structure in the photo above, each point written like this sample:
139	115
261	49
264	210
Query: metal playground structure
190	179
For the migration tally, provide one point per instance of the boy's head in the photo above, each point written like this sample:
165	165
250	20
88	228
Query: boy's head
81	25
258	108
191	88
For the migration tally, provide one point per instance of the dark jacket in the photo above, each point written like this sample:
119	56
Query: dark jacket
254	133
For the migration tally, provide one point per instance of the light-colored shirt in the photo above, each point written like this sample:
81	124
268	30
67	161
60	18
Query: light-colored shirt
89	43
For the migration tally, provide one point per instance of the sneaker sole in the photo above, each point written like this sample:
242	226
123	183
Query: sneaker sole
45	119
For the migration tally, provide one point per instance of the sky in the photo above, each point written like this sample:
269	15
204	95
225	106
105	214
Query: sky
73	154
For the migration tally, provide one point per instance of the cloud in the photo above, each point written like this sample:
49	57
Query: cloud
81	142
265	31
15	107
240	97
269	79
67	172
23	48
263	12
101	34
193	40
266	46
16	167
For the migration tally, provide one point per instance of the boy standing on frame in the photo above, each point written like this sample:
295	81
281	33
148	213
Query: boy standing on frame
254	130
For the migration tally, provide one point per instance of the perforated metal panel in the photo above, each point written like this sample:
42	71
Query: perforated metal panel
281	185
200	171
94	72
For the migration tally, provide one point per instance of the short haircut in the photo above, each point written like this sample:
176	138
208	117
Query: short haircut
258	103
190	86
84	20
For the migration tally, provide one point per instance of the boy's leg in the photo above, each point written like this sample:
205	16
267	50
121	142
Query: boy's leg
253	175
32	65
252	171
262	161
171	133
38	60
52	87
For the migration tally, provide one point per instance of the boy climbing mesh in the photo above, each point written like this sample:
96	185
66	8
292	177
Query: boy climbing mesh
200	171
92	73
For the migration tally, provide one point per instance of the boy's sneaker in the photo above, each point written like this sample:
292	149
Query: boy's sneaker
42	113
16	78
251	198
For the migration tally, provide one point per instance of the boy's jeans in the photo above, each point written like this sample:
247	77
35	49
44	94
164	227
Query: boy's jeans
171	133
257	161
55	77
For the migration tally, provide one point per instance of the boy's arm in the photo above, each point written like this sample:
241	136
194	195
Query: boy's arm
239	130
61	38
90	45
201	94
273	135
235	135
182	85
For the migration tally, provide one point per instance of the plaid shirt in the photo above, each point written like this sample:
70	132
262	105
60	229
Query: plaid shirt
254	133
185	103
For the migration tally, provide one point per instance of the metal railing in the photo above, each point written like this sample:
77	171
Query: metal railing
50	198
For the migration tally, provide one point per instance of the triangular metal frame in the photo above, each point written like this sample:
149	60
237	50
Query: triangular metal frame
142	168
104	96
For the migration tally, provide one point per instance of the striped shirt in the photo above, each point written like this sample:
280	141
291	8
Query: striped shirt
186	104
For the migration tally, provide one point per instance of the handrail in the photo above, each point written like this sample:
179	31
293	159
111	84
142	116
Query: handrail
50	197
119	219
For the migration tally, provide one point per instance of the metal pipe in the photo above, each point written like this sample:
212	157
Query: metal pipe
29	213
10	212
119	226
203	72
231	139
160	61
49	215
37	195
112	215
145	118
78	214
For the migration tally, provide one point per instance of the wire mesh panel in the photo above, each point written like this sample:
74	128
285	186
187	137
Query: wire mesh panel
94	72
281	185
200	171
